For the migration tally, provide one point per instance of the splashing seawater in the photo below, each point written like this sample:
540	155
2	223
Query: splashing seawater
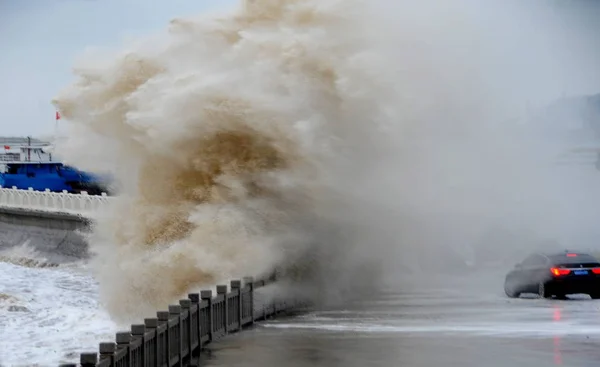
224	135
293	133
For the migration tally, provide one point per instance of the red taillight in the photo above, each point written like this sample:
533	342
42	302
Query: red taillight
558	271
571	255
596	270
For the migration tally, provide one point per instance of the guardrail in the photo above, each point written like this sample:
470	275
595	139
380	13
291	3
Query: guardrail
64	202
177	336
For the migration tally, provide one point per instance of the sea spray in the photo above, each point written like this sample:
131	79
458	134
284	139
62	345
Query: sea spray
330	139
228	136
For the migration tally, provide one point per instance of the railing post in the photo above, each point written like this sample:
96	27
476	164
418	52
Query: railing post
152	323
64	198
28	198
137	332
207	296
195	299
107	351
123	339
249	281
222	289
163	318
175	312
88	359
236	286
186	305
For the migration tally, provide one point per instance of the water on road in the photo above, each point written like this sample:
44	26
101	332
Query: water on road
431	327
49	315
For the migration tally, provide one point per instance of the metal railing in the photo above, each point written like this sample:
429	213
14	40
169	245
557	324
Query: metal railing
175	337
57	202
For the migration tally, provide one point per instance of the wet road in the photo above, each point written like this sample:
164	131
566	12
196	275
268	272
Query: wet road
458	326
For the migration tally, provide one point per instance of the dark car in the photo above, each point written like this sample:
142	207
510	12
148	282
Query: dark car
556	275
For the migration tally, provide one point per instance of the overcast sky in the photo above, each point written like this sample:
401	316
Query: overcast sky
40	39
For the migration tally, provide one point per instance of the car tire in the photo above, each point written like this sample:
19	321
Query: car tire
543	291
510	292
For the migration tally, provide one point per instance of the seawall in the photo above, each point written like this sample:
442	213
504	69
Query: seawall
178	335
57	236
50	224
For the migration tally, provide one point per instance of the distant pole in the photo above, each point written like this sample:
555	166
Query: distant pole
56	118
29	149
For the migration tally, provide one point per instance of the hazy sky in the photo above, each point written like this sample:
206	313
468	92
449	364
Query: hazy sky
39	40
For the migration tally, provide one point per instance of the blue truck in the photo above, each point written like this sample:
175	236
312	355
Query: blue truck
54	176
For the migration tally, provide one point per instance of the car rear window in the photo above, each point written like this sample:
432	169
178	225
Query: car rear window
585	260
583	265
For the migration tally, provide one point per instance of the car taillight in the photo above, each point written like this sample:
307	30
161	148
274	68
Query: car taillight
596	270
558	271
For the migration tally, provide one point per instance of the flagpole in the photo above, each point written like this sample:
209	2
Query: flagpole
56	118
55	140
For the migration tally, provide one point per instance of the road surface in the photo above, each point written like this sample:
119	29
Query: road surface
470	323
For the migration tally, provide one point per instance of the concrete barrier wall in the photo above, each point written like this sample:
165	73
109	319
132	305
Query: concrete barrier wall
59	237
51	223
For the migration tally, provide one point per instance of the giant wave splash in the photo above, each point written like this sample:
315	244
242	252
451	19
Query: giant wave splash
321	137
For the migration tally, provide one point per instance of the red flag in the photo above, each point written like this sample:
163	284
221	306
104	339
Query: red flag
57	115
6	147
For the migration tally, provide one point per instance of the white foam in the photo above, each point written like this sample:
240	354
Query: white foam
55	315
